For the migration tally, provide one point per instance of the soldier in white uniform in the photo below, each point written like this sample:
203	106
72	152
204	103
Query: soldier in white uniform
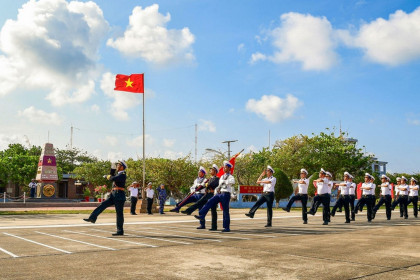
301	193
222	195
367	190
344	197
402	197
317	202
267	196
413	196
397	194
323	196
362	203
352	197
197	190
386	190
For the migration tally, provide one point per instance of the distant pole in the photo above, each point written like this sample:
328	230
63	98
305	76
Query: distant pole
144	148
196	141
71	137
269	139
48	136
228	143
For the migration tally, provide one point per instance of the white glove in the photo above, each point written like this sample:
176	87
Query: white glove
105	176
113	165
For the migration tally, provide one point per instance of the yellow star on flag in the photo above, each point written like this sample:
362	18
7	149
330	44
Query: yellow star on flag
129	83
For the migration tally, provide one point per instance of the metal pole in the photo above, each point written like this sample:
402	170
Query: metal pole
228	150
144	156
4	197
196	136
24	197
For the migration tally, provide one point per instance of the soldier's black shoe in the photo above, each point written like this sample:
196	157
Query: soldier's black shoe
198	217
305	222
185	212
118	233
200	227
89	220
249	215
286	209
369	221
406	218
311	212
174	210
353	219
213	229
267	225
347	222
225	230
333	213
373	215
325	224
133	214
339	210
163	213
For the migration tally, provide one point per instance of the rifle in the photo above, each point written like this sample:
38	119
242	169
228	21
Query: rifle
198	188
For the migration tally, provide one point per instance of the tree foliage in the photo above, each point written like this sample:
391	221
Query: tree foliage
284	187
68	159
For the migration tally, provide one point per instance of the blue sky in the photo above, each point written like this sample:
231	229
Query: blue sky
236	68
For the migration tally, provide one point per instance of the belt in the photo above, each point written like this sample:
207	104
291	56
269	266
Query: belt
267	192
118	189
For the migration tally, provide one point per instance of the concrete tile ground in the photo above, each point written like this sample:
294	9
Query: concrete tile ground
169	247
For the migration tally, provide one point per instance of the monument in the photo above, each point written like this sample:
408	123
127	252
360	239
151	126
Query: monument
46	175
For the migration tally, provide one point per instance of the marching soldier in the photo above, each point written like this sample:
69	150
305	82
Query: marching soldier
323	196
403	190
134	193
195	194
301	193
413	196
267	196
117	197
344	197
367	190
362	203
210	186
386	190
222	195
397	194
352	197
161	197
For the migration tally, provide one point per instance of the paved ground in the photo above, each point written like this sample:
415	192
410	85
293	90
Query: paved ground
169	247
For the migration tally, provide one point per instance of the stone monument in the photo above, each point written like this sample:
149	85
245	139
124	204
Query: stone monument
46	175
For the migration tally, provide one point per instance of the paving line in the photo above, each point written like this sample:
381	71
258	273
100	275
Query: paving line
207	234
148	237
9	253
182	236
109	238
79	241
38	243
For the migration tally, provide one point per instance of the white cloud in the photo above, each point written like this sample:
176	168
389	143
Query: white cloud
115	156
172	155
137	142
205	125
413	119
302	38
252	148
5	140
52	45
148	38
95	108
274	108
110	141
168	143
241	47
122	101
40	117
393	41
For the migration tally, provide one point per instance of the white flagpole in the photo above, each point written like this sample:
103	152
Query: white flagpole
144	138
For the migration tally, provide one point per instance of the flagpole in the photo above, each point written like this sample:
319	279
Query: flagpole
144	149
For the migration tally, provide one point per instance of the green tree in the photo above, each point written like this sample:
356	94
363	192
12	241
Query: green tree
284	187
311	187
68	159
93	172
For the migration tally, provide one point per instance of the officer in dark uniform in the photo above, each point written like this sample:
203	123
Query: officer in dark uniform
117	197
210	186
161	197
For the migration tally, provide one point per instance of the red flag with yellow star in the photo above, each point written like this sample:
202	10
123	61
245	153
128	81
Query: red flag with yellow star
133	83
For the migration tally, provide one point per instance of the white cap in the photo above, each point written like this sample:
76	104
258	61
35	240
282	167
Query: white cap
328	174
303	170
398	179
214	166
270	168
367	175
384	176
202	169
413	179
351	176
371	177
149	184
322	171
123	163
347	174
227	163
403	178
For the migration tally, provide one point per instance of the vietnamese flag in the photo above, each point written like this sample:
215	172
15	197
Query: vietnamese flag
133	83
359	191
392	190
232	161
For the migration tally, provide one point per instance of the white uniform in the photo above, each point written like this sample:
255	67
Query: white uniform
397	191
414	192
303	188
150	193
133	191
226	183
270	186
344	190
386	189
406	191
330	185
198	182
322	187
352	190
369	191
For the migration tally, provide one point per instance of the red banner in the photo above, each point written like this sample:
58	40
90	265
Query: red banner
251	189
392	191
359	191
